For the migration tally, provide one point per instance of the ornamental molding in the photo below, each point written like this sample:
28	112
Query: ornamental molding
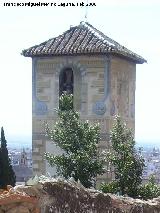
70	63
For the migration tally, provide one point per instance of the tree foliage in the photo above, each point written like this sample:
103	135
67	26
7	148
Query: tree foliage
150	189
111	187
78	140
128	165
7	175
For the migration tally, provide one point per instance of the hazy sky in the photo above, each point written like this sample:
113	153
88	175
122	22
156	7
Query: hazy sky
134	24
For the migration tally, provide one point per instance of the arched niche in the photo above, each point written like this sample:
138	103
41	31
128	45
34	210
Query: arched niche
66	81
80	84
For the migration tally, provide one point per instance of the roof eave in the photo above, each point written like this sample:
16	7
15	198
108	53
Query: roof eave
137	60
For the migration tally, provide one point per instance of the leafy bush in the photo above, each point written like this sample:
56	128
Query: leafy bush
149	190
111	187
146	191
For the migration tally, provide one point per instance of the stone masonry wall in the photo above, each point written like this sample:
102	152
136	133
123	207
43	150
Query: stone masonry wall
62	196
89	88
104	87
122	92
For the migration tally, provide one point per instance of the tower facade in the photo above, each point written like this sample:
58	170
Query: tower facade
99	72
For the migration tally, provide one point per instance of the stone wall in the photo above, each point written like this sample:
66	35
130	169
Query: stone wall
14	201
122	92
61	196
103	87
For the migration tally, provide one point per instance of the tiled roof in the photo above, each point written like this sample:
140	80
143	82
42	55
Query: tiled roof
81	39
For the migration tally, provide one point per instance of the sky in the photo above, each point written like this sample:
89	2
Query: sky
134	24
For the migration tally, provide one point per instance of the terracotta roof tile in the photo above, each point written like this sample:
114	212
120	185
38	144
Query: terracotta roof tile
81	39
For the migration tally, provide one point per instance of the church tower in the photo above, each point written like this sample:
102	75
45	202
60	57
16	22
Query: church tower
99	72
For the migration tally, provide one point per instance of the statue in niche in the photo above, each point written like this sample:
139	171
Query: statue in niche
66	81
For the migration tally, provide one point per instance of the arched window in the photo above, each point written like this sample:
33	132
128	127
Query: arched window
66	81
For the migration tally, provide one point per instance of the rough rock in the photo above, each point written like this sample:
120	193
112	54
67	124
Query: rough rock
69	197
20	209
62	196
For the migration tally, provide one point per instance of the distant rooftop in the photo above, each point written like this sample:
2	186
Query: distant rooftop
82	39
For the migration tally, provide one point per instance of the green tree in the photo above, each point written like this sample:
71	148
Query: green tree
7	175
128	164
78	140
